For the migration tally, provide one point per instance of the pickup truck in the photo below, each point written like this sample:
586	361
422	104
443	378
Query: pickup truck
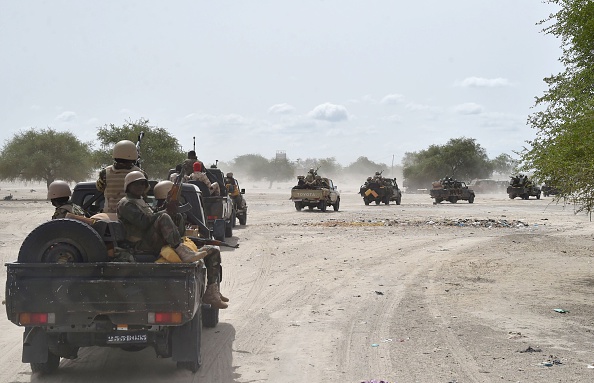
523	192
377	192
217	209
452	192
316	196
67	292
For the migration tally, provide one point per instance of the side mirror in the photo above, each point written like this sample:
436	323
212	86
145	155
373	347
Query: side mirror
242	191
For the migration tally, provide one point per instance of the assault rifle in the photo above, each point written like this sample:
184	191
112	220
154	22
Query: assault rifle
205	241
138	160
172	201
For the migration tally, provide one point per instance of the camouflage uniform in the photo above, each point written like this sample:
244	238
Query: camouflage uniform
68	207
149	231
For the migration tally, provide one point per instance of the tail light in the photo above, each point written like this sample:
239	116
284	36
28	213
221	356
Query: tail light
27	319
165	318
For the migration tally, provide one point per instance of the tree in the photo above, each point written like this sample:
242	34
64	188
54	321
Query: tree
45	155
159	150
460	158
504	164
279	169
363	166
563	151
252	166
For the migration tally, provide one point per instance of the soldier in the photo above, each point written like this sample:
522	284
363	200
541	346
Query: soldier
212	260
111	178
188	163
198	175
310	177
233	190
59	194
300	180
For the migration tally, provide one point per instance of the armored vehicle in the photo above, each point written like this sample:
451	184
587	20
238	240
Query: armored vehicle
452	190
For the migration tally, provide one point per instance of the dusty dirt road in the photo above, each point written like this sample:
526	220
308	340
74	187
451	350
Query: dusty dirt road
411	293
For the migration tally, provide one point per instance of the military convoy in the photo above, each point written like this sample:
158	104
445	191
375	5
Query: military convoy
380	190
521	186
449	189
314	191
67	292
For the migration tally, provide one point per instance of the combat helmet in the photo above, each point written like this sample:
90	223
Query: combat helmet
58	189
132	177
230	175
125	150
162	189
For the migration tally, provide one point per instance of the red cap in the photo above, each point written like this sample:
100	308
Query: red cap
197	166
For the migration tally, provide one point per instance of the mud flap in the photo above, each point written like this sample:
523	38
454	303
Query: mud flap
218	229
35	345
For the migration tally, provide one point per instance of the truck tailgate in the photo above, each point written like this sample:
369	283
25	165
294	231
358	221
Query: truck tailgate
308	194
125	292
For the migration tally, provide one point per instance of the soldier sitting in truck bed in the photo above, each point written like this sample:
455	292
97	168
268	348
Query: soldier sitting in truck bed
212	260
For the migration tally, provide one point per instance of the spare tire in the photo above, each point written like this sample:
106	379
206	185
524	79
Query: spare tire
63	241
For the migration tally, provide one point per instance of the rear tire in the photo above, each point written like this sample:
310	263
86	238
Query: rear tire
242	218
233	217
52	364
471	199
377	202
336	204
366	201
228	229
323	206
298	206
398	200
63	241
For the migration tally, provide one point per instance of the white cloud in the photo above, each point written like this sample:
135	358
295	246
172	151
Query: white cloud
416	107
329	112
481	82
469	108
392	99
281	109
393	118
66	116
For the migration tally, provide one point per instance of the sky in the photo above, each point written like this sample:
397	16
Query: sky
312	78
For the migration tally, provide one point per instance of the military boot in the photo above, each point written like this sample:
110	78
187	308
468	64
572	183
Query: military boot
188	255
212	296
223	298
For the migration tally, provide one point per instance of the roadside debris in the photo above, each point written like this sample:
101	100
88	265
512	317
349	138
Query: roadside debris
530	349
561	311
454	222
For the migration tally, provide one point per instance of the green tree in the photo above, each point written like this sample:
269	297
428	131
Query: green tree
159	151
460	158
45	155
504	164
252	166
364	167
563	151
279	169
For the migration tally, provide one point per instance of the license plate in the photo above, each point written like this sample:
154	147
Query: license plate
126	338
